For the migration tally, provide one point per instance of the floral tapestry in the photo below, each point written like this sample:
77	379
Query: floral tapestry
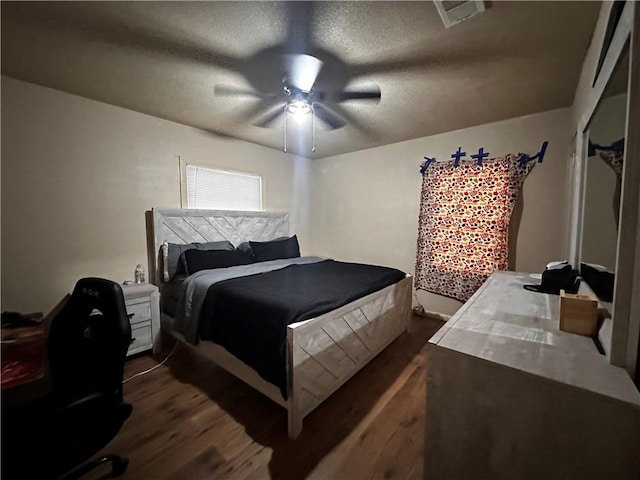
464	223
615	160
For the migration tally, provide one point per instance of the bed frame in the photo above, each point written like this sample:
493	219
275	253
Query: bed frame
323	352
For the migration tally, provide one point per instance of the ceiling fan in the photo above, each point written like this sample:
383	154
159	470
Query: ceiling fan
311	80
296	94
290	77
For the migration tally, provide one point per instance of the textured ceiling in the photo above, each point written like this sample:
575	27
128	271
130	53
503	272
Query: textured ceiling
165	58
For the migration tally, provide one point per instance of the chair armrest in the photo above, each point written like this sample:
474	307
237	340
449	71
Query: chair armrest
87	402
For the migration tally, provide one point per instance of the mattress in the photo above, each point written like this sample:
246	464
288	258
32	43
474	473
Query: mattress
249	315
170	294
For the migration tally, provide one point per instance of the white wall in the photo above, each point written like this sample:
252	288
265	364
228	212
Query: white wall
365	204
78	175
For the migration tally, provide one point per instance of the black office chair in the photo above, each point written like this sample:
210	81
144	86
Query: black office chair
87	346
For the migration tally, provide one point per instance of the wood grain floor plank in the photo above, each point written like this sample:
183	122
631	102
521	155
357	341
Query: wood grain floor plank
406	441
193	420
364	460
344	453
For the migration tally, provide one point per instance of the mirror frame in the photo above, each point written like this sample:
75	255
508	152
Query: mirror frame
622	349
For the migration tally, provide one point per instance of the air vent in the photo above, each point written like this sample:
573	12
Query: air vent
453	12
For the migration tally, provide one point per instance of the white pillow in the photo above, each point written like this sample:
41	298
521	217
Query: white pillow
165	257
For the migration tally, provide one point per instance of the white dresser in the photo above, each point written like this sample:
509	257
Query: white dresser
510	396
143	307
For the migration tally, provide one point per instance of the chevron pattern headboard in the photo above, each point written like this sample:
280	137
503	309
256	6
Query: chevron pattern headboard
189	225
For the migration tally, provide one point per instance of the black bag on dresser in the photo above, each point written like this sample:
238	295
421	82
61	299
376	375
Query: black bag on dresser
557	276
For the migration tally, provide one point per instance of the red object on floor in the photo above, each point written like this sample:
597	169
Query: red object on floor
22	355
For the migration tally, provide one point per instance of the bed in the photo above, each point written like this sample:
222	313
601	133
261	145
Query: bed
323	352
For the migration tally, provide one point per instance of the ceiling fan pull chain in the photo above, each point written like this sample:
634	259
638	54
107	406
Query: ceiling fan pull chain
313	128
285	128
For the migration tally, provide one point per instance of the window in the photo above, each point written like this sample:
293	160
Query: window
209	188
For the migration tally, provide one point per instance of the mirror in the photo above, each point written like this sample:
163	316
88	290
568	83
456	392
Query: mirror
603	183
619	333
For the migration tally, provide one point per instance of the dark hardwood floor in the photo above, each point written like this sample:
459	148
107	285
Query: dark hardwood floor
192	420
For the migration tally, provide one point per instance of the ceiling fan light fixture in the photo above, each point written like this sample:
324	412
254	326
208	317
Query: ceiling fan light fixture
298	107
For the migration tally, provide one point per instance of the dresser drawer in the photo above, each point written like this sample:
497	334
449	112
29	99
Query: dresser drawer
141	312
141	338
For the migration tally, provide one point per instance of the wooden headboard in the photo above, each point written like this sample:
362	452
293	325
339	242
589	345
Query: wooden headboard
189	225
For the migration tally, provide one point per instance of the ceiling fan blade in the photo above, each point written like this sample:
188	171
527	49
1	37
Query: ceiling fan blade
392	66
328	117
80	21
249	112
231	91
359	95
269	117
355	122
302	70
452	58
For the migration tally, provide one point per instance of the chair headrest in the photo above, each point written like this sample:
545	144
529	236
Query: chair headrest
99	293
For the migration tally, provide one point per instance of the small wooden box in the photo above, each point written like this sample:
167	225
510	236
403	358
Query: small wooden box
578	314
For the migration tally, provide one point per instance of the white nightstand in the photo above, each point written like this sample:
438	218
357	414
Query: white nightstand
143	306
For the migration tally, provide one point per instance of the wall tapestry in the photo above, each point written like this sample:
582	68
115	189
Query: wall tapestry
464	218
612	155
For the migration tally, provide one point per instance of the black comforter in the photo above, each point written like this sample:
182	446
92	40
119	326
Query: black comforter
249	315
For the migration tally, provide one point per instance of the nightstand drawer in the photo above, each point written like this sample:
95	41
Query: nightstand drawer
141	338
141	312
143	304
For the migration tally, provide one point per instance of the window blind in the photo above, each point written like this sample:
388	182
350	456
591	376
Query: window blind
209	188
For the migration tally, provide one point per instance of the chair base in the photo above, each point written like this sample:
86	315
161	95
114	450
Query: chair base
118	466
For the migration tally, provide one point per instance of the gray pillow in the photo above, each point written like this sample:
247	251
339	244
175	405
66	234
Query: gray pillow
245	247
174	266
